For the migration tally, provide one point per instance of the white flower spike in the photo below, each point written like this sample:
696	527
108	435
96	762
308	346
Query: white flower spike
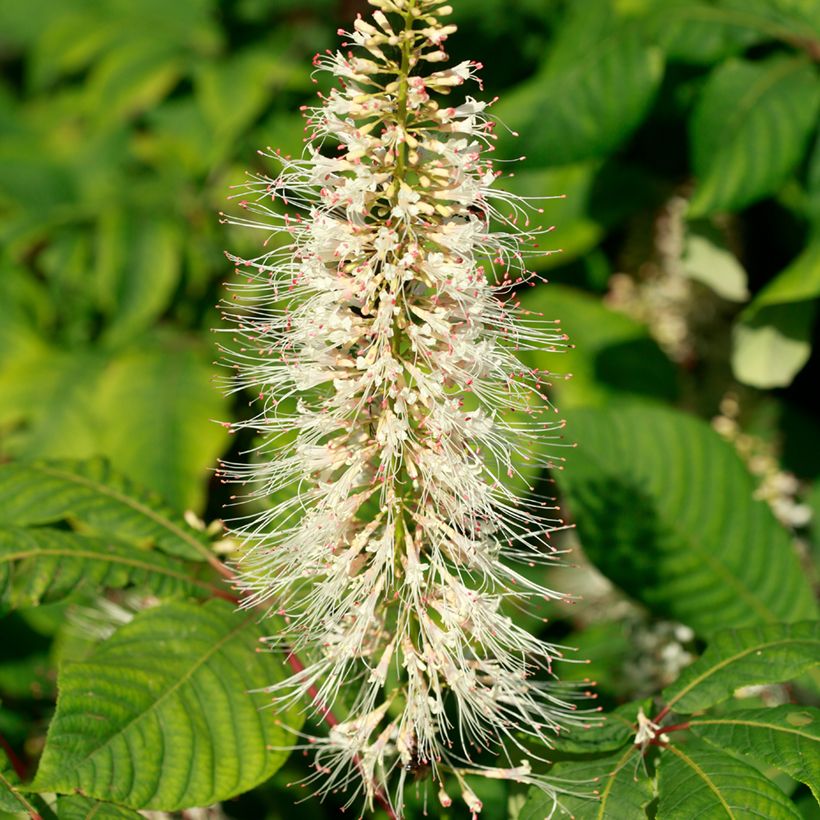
380	338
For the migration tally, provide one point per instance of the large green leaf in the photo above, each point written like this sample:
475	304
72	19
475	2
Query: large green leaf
665	508
787	737
166	408
612	353
582	107
160	716
696	780
76	807
149	409
41	564
97	498
772	339
750	130
698	32
138	269
744	657
609	787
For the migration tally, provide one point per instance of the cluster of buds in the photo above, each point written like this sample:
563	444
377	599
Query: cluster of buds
398	428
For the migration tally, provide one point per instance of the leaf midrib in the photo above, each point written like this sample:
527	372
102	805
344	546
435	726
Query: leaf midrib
705	777
758	724
611	781
8	557
211	651
132	503
732	659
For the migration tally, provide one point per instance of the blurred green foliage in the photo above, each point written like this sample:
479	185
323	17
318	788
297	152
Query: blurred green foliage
684	134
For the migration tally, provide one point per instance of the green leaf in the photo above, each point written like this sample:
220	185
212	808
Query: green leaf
786	737
138	270
750	130
41	564
76	807
9	797
665	508
91	494
697	781
698	32
131	78
612	353
617	729
772	339
744	657
577	108
610	787
166	406
706	259
161	717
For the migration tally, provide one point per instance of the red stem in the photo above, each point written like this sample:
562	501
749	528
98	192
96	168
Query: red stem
17	764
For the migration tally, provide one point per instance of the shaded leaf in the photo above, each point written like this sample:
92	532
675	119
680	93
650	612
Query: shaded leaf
575	109
173	722
787	737
616	730
750	130
665	508
611	351
608	787
93	495
745	657
696	780
41	564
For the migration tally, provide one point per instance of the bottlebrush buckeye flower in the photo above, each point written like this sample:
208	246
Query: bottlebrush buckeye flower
380	337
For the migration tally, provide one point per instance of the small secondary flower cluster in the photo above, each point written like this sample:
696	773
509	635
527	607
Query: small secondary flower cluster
395	418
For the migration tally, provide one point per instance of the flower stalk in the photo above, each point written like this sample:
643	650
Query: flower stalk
398	428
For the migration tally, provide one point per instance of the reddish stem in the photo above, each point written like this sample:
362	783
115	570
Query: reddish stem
677	727
17	764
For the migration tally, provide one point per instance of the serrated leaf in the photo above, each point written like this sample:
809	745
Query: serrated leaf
608	787
665	508
92	494
576	109
43	565
616	730
77	807
772	339
745	657
695	780
786	737
750	129
612	352
160	716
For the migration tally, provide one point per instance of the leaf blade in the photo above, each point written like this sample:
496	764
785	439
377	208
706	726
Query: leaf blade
786	737
174	681
740	657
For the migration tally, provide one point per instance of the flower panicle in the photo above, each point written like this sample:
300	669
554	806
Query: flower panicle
379	330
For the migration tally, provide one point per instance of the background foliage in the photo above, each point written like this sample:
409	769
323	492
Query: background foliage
684	134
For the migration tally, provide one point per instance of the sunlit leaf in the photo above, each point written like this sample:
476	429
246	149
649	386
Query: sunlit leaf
174	724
